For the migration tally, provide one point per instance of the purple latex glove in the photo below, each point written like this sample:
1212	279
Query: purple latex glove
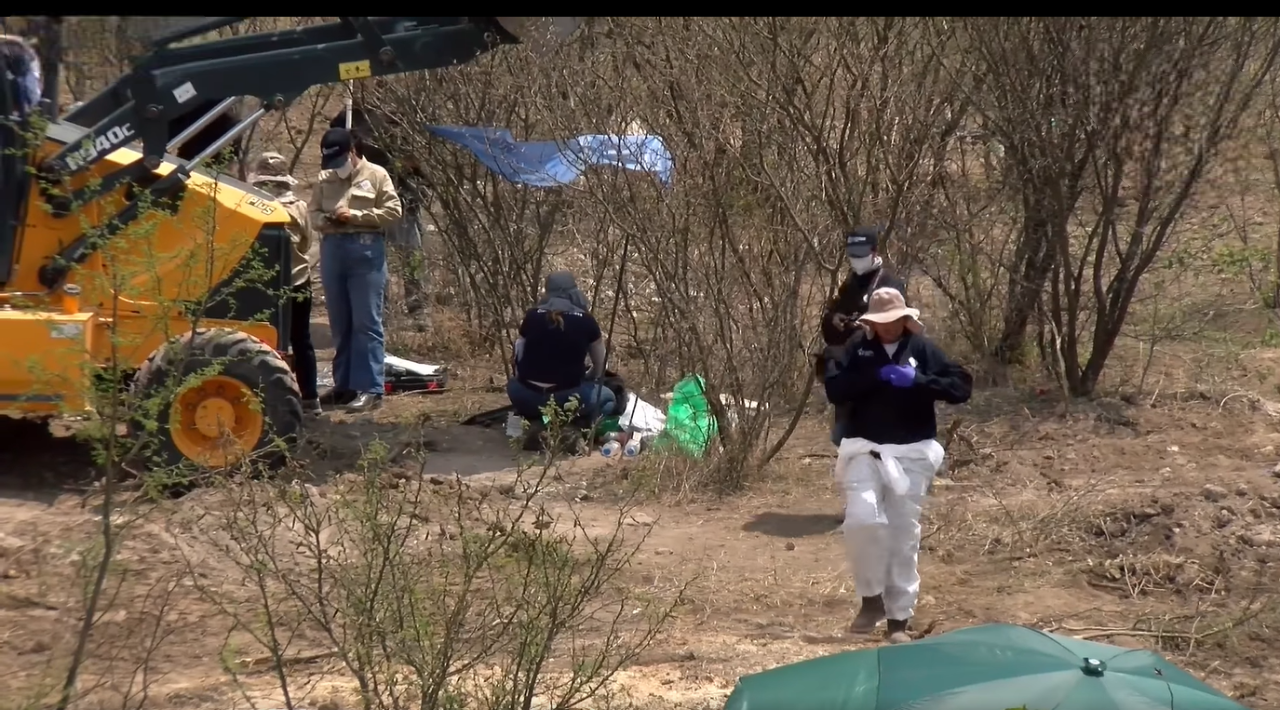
898	375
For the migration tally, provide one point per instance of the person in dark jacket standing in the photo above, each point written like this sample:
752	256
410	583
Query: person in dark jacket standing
867	273
892	379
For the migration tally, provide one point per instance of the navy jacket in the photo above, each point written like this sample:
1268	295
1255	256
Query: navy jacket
851	300
879	412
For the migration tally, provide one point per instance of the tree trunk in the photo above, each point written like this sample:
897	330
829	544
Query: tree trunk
1033	260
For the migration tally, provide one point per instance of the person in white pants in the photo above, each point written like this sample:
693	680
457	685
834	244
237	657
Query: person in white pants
892	376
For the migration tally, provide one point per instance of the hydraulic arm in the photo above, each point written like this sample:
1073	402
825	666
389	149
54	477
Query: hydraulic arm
273	67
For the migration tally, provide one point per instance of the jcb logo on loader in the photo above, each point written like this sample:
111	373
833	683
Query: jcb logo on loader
112	139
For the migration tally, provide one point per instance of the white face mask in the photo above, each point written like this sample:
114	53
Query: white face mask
344	172
862	264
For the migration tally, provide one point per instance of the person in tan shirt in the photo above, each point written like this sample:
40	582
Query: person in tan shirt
352	205
271	175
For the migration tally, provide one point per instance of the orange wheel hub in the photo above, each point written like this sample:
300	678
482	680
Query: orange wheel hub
216	421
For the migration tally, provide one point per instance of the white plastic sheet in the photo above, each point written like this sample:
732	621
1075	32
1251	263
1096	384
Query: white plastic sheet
642	418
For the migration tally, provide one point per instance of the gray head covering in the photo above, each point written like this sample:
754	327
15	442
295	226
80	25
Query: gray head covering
562	294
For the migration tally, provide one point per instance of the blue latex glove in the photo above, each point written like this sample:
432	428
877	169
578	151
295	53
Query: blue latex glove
898	375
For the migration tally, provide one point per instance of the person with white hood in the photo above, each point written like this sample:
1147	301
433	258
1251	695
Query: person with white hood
892	377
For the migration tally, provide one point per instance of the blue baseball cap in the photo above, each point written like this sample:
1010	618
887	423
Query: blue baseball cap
861	242
335	146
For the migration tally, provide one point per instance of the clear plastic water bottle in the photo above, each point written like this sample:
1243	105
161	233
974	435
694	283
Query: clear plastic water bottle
611	449
633	447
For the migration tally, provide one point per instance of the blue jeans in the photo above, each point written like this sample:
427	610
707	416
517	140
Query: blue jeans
594	401
353	273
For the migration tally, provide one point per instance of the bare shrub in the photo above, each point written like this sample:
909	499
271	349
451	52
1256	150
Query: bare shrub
496	240
429	592
787	131
968	231
783	137
1109	128
1251	186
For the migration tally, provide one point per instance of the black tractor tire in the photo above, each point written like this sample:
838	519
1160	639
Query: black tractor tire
231	354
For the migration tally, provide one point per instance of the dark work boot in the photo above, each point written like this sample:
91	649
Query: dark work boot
334	397
897	631
364	402
534	430
871	613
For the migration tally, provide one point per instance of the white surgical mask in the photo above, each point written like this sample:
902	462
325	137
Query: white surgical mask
344	172
862	264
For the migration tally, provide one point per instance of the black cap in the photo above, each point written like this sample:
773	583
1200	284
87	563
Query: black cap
335	146
862	241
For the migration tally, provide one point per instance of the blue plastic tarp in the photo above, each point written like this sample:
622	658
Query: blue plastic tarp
556	163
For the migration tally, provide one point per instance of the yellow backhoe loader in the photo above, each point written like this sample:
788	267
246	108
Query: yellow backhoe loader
106	189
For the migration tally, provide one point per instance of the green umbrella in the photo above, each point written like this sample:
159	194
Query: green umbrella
991	667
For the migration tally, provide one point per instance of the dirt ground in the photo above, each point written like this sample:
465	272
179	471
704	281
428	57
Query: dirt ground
1146	524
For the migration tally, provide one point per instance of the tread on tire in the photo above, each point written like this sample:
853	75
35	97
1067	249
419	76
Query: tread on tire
233	354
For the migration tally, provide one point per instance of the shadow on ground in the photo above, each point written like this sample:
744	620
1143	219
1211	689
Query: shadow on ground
792	525
38	464
337	445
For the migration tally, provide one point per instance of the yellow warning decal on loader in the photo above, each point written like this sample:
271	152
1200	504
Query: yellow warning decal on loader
354	70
